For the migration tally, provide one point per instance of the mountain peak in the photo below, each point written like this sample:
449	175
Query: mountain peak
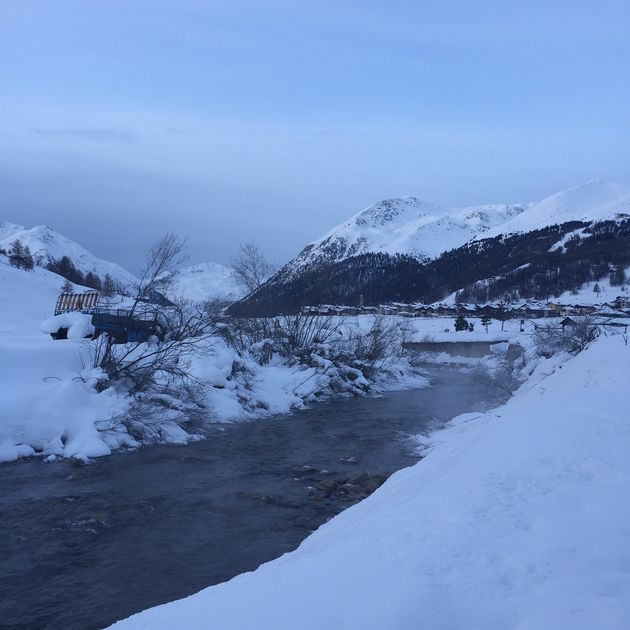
387	210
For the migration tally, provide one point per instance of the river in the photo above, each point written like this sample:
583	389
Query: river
85	545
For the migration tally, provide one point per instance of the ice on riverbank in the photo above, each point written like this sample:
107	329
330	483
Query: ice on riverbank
516	518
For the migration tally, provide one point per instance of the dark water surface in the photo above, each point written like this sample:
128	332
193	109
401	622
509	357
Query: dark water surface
81	547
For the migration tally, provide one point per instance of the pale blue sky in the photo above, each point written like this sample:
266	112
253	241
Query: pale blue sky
273	121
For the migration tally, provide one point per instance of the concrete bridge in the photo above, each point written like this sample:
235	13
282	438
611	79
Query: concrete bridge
472	349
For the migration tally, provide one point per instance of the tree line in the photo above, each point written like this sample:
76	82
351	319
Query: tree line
20	256
65	268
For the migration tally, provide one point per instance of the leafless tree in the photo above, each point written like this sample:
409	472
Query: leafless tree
181	327
501	313
162	260
67	286
251	267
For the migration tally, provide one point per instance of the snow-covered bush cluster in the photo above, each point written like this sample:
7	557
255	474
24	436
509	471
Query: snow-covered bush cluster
250	368
78	325
350	354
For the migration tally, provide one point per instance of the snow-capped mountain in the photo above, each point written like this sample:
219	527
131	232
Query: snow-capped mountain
403	226
201	282
206	281
45	243
423	230
356	261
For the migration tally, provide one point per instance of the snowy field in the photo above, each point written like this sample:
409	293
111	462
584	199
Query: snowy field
516	518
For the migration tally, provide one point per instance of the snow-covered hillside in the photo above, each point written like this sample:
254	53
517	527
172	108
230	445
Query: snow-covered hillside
206	281
596	200
403	226
45	242
516	518
423	230
200	282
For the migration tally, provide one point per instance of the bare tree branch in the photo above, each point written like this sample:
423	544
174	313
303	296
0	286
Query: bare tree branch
251	267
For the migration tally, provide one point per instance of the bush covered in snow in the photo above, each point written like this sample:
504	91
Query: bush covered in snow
78	325
349	355
572	336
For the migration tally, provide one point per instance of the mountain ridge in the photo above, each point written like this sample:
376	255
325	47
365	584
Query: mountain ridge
423	230
466	246
45	242
199	282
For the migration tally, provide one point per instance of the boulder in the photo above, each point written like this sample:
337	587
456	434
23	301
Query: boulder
327	486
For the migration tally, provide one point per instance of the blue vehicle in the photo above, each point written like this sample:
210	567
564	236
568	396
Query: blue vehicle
121	324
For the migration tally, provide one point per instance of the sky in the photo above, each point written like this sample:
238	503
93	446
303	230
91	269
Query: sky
272	121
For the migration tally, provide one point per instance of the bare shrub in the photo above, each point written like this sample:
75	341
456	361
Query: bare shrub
381	344
573	337
329	345
162	260
499	379
290	336
251	267
163	362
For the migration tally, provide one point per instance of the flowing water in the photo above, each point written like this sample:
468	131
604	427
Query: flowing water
84	546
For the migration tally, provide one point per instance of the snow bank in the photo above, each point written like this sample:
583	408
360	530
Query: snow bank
79	325
516	518
239	388
48	405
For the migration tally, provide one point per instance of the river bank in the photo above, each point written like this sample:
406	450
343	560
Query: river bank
516	518
87	545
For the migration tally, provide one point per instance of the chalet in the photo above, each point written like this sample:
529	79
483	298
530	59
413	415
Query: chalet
582	309
558	309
